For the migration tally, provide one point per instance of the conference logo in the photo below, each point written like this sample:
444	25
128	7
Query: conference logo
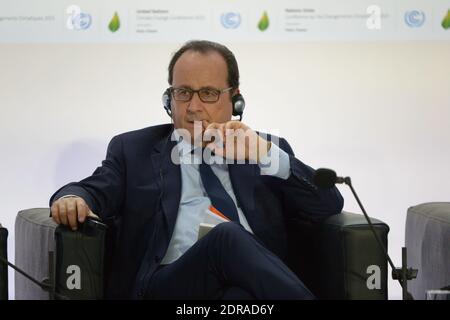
114	24
77	20
414	18
446	21
263	23
230	20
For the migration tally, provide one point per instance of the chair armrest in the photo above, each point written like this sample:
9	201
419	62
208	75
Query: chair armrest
37	234
79	270
332	257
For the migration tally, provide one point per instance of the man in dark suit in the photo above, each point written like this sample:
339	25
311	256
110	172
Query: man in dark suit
156	186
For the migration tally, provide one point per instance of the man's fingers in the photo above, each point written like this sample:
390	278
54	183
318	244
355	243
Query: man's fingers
205	124
72	213
213	134
217	150
234	125
82	209
213	125
55	212
62	212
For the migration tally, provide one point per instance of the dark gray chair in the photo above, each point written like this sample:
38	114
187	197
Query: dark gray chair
427	240
332	257
335	257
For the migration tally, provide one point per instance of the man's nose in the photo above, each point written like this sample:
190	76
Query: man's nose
195	104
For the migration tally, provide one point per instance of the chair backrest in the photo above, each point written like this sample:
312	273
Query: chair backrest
427	238
33	239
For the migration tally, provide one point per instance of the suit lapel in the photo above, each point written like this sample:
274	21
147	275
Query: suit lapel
169	175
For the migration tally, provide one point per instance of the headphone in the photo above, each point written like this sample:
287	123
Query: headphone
237	101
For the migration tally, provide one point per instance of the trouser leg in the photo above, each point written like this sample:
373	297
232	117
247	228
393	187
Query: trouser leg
228	256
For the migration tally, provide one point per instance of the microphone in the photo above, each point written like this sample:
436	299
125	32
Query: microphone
327	178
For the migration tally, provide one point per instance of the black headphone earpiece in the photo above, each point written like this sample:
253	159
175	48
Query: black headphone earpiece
167	101
238	105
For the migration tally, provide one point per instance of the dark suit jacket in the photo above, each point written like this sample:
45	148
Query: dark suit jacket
137	190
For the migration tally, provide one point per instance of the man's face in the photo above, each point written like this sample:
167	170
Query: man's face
197	70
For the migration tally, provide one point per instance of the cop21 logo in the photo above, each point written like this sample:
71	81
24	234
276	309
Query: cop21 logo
77	19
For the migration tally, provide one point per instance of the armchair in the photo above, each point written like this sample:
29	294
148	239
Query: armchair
332	256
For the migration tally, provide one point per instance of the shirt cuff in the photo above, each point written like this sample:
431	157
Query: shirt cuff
67	196
275	163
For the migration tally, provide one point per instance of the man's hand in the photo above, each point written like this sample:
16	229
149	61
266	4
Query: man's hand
235	140
70	210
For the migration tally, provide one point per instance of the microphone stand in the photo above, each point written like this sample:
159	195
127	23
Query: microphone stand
47	284
402	274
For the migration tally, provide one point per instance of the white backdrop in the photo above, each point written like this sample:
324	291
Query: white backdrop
377	111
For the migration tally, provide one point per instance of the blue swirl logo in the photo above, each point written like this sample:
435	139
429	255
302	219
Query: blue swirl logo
414	18
230	20
82	21
77	20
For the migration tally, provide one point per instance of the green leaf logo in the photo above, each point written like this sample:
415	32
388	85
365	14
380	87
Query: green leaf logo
446	21
114	24
263	23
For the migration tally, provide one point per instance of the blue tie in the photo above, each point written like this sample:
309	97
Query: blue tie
219	197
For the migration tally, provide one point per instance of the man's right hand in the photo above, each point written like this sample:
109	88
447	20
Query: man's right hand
70	211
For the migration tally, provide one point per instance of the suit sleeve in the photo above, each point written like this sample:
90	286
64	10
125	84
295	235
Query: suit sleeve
103	191
300	195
